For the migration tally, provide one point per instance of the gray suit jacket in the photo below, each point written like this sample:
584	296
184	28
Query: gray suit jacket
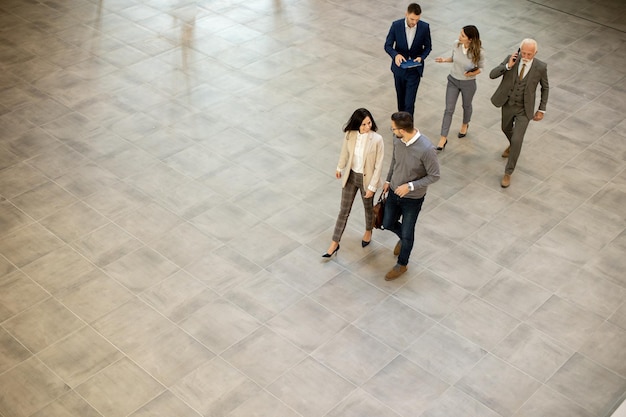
538	74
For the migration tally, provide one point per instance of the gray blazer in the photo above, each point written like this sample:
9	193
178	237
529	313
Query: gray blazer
538	74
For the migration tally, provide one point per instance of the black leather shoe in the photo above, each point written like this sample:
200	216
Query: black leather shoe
462	135
441	148
364	243
328	255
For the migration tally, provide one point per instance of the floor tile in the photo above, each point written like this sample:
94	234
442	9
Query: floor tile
28	244
106	245
395	323
431	295
514	294
604	346
119	389
264	356
532	352
115	199
131	325
567	323
141	269
444	353
219	324
43	324
498	386
405	387
178	296
593	292
361	404
94	295
12	218
59	269
223	269
29	387
170	356
263	404
546	400
348	296
263	296
302	270
583	381
307	324
541	267
215	388
11	351
480	322
149	223
354	355
309	379
43	199
166	404
619	317
497	245
465	268
19	292
74	221
184	244
79	356
263	244
68	405
455	402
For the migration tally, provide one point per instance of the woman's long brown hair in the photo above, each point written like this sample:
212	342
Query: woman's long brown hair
475	45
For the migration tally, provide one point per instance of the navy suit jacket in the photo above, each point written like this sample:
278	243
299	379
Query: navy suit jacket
396	44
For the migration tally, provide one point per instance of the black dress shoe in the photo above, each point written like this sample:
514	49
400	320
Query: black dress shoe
364	243
441	148
328	255
462	135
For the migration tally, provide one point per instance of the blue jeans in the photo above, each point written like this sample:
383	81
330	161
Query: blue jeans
408	209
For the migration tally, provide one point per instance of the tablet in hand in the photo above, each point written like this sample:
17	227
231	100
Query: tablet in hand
410	64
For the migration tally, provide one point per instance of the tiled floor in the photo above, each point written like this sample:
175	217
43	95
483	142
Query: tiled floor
167	189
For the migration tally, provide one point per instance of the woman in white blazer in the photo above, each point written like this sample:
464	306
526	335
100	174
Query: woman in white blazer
359	167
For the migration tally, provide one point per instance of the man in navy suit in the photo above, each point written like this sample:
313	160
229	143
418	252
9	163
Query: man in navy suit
408	40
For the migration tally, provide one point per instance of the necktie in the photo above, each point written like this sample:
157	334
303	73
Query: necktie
521	73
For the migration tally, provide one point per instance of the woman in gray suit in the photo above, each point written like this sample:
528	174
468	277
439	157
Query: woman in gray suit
467	60
359	167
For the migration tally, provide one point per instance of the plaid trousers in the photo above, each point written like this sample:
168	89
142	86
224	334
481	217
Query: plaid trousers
354	184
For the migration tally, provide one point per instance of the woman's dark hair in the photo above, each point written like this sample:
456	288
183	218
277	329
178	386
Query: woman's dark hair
475	45
403	120
357	118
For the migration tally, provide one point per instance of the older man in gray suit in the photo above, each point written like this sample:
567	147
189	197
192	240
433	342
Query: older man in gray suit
516	96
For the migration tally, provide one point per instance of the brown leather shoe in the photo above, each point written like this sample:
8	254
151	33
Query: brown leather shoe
505	154
395	272
506	181
396	249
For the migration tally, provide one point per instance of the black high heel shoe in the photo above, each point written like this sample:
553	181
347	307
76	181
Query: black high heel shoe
462	135
328	255
441	148
364	243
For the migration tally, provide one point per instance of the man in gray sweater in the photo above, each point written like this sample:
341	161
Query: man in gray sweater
414	166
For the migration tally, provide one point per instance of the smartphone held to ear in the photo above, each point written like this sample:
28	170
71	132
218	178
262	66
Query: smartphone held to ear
518	51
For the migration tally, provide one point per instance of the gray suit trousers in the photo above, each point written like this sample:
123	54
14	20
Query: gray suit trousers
514	125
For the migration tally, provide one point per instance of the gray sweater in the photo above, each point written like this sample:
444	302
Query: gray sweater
462	63
415	163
